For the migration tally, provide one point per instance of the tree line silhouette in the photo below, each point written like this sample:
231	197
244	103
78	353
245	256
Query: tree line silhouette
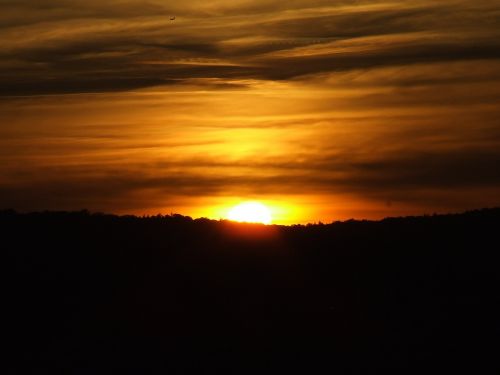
99	293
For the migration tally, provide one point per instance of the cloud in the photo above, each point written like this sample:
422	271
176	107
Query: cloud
425	182
91	46
112	106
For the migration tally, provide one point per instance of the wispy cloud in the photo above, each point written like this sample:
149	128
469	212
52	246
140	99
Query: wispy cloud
88	46
111	105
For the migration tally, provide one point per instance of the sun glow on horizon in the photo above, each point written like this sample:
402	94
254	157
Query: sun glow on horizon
250	212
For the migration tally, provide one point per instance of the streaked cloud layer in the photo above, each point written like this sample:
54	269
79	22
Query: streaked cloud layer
332	109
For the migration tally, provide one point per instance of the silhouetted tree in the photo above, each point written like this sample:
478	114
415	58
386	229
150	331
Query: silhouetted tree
98	292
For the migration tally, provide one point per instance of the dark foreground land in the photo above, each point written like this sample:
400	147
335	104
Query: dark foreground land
101	294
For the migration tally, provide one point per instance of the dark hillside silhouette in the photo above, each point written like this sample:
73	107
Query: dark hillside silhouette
94	293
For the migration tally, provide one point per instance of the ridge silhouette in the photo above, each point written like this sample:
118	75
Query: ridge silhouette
92	293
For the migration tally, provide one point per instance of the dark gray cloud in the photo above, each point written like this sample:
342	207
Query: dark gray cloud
125	45
402	176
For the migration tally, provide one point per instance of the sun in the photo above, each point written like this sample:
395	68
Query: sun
250	212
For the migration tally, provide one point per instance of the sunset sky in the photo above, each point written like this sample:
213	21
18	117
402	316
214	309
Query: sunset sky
322	110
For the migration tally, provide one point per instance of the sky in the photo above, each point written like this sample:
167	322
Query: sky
322	110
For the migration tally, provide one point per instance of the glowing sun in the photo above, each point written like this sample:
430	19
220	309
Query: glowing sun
250	212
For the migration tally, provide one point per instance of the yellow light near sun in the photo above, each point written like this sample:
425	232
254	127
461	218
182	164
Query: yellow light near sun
250	212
